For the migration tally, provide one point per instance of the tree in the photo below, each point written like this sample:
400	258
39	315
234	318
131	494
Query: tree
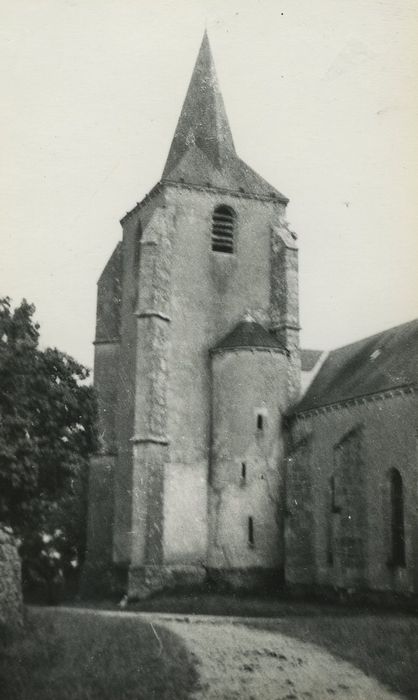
47	432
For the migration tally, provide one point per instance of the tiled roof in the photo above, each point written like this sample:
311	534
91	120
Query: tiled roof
248	334
309	358
109	298
372	365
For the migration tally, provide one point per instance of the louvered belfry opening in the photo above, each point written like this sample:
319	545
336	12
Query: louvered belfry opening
223	221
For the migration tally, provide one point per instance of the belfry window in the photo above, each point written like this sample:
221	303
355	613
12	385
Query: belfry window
397	519
223	223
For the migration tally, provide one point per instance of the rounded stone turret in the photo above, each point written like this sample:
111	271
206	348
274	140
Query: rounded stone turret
249	385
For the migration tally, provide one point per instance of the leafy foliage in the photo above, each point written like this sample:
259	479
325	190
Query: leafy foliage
47	431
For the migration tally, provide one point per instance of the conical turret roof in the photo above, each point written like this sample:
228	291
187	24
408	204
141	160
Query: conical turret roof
202	151
248	334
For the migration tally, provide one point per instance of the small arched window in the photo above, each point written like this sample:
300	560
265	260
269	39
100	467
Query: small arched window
397	519
223	223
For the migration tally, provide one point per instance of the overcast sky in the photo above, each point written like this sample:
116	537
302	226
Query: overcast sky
322	98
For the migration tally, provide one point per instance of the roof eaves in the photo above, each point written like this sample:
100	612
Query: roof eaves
240	193
155	190
341	402
249	348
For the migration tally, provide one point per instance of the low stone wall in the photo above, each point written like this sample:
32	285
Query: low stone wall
11	603
147	580
257	580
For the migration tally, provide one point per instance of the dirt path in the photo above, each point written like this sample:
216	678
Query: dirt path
238	663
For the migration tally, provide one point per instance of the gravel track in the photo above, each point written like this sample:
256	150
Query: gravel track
236	662
239	663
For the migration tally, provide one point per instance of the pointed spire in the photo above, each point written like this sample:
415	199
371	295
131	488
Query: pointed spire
202	152
203	121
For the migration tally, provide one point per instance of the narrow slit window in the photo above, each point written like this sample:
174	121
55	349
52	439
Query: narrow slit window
335	508
330	544
223	224
332	509
243	471
251	531
397	519
260	421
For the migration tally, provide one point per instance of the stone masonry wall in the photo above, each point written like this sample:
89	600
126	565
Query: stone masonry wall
97	567
353	449
132	285
150	422
347	510
284	299
11	604
299	559
211	292
246	466
97	570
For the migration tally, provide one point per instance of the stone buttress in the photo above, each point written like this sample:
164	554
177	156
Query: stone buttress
97	571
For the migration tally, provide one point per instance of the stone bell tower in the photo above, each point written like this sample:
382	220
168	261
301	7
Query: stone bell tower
196	360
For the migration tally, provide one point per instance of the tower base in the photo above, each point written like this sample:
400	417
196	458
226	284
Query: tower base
145	580
139	583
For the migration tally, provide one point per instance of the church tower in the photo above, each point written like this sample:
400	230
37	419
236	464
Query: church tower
196	363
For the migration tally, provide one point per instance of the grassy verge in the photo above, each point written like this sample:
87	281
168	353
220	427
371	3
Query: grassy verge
247	605
235	605
385	647
64	656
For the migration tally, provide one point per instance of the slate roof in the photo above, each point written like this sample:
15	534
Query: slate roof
248	334
309	358
202	151
372	365
109	298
